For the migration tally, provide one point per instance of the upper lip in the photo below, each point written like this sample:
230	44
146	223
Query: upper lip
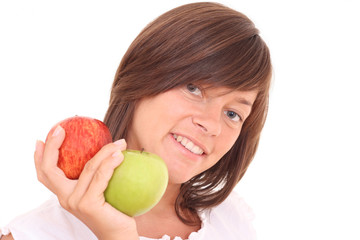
194	141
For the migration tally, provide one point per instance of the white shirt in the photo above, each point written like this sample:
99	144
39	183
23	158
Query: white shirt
232	219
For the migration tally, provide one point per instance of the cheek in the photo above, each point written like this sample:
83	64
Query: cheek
226	142
153	118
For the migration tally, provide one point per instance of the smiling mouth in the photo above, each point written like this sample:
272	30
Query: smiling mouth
188	144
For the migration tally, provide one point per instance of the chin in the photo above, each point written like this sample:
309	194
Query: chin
178	178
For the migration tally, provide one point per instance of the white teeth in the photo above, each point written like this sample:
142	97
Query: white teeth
188	144
184	141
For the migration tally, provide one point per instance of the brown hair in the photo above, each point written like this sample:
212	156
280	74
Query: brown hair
200	43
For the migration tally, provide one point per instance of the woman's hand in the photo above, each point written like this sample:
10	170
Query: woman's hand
84	198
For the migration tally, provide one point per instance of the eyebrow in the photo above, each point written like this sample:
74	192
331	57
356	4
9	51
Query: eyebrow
244	101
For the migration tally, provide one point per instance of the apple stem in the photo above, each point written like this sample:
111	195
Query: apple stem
142	149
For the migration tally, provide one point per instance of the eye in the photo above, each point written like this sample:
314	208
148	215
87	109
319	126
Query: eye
233	116
194	89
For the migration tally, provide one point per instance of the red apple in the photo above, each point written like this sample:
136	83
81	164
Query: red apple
84	137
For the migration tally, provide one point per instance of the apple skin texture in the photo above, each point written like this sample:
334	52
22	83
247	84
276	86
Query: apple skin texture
84	137
138	183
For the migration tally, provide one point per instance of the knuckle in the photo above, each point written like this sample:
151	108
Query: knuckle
99	175
43	170
64	203
90	166
72	203
42	173
40	177
83	205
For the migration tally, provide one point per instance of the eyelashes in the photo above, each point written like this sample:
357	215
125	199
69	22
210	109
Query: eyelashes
198	93
233	116
194	89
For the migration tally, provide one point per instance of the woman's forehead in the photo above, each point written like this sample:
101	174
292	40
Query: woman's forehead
244	96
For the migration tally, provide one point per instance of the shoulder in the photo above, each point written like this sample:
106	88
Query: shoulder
45	221
235	207
6	237
232	219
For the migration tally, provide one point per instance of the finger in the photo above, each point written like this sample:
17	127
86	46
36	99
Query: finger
52	145
92	166
52	176
38	155
102	177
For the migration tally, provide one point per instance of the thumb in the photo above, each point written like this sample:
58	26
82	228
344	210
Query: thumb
52	145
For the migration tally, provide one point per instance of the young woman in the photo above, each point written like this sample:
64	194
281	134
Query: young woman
193	88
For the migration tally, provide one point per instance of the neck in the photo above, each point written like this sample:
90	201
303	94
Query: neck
162	219
167	202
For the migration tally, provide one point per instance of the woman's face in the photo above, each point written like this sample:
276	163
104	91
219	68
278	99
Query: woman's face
189	127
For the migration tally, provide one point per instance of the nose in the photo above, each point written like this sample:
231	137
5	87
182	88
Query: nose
208	120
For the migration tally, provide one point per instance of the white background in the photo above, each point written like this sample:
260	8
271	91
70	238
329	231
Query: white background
58	59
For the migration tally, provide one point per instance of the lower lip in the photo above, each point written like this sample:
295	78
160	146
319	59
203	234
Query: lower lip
186	152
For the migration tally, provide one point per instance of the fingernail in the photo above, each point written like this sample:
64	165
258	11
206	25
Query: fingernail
57	131
120	142
37	145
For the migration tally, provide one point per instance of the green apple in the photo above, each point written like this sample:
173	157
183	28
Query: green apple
138	183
